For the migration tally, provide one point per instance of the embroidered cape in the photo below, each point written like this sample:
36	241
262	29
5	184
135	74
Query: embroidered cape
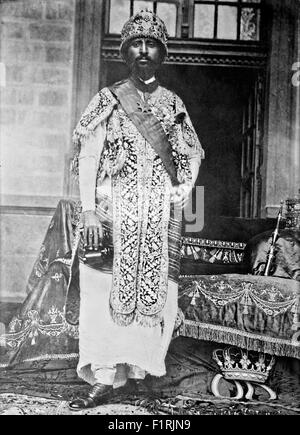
141	198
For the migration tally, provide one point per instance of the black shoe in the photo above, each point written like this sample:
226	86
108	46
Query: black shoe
96	397
134	385
132	388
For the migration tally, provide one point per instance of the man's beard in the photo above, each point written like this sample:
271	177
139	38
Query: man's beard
146	70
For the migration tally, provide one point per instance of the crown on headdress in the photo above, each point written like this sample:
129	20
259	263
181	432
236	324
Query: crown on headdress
236	364
145	24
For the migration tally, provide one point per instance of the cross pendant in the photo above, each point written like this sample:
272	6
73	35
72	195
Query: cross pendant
144	107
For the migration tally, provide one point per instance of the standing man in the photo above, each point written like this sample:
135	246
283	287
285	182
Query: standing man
137	160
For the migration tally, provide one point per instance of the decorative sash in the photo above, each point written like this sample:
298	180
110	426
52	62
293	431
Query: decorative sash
146	123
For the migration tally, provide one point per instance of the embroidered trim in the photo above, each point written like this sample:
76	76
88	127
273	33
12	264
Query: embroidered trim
222	293
51	357
213	243
99	109
141	218
54	356
32	326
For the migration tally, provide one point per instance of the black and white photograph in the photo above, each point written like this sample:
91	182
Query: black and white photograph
150	210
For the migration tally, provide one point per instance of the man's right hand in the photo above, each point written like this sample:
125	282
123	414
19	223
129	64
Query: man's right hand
92	230
180	195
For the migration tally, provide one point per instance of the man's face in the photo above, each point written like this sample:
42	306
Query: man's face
144	54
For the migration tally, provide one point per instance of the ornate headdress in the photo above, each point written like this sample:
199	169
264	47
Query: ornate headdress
144	24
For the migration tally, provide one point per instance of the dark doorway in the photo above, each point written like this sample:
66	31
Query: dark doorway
215	98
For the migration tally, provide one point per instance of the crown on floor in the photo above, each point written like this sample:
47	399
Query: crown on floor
144	24
240	365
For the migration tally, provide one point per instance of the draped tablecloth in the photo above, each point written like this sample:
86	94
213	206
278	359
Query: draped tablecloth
253	312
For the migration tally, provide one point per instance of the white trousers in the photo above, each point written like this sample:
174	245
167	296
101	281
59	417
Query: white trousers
110	353
117	375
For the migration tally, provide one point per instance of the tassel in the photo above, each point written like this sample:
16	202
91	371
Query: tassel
246	302
195	253
189	250
295	311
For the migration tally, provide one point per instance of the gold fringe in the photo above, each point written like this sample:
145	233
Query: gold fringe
249	341
121	319
149	321
138	318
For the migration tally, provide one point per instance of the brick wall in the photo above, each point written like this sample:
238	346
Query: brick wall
36	57
36	48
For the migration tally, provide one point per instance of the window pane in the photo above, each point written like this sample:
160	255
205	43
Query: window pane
142	6
250	23
227	22
119	13
204	21
168	13
233	1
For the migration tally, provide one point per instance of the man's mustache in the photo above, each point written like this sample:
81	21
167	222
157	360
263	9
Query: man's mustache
134	63
143	57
